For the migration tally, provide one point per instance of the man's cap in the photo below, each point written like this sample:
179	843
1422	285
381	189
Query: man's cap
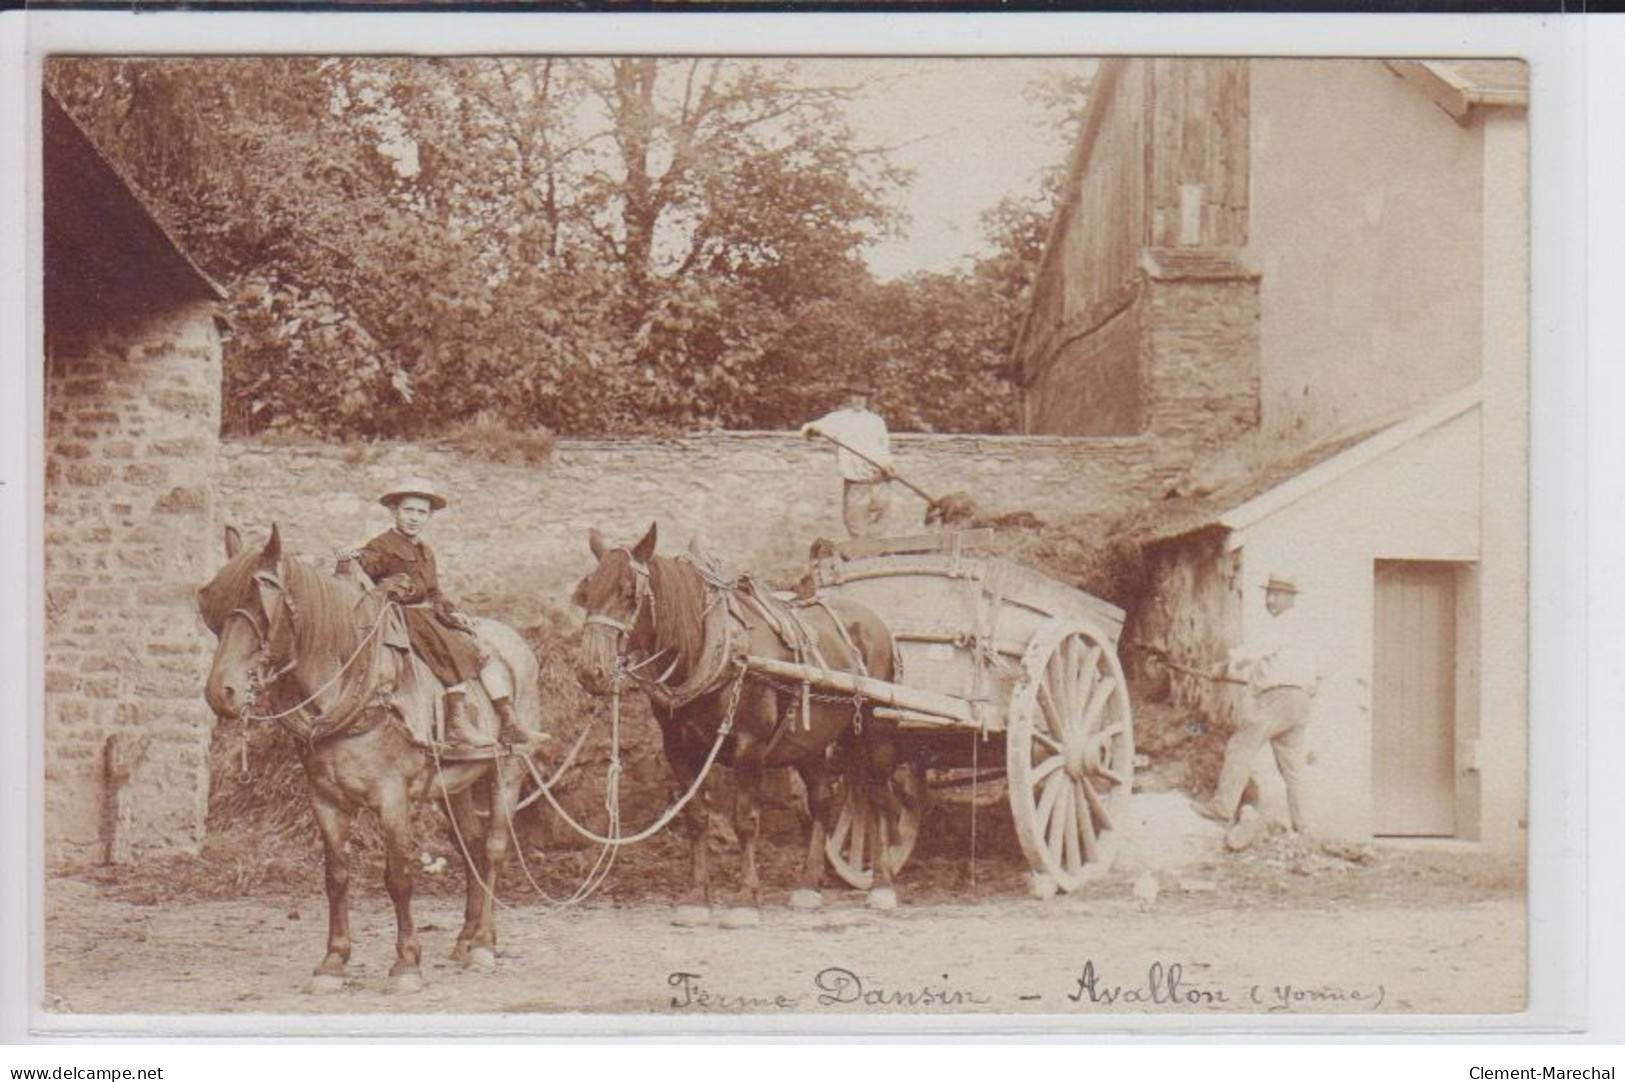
858	385
1282	583
413	486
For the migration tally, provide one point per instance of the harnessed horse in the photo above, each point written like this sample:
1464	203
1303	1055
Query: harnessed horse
679	634
311	648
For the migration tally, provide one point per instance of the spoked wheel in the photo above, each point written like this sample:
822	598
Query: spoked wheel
866	826
1070	753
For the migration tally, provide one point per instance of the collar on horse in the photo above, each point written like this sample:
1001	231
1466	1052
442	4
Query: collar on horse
729	602
708	672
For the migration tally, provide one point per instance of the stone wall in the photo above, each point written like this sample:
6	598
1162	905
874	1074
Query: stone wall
1200	346
1194	611
514	540
132	412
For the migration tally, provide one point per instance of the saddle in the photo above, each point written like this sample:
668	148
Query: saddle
411	692
740	603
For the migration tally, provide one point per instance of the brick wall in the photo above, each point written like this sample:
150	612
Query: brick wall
132	412
1200	346
1179	363
514	540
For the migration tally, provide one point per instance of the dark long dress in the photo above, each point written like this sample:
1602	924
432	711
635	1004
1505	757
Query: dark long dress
452	654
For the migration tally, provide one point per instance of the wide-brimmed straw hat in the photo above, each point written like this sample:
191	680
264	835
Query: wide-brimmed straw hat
1282	583
858	385
413	486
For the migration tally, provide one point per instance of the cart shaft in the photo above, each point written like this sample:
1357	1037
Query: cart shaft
880	691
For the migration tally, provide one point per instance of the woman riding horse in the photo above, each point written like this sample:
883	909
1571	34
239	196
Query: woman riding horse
676	631
307	650
403	564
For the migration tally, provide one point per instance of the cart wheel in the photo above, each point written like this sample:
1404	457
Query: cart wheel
863	827
1069	746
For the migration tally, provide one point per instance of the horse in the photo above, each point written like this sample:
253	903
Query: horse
310	649
680	633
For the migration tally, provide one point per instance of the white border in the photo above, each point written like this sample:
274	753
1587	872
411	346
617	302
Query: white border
1556	49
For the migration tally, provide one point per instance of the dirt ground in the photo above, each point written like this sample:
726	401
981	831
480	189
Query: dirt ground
1288	927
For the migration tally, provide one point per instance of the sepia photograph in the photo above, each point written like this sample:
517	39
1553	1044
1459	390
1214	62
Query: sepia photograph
687	537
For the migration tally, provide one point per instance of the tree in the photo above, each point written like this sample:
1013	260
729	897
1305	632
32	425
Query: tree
589	245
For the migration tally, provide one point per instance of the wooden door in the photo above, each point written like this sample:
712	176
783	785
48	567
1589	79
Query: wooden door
1413	697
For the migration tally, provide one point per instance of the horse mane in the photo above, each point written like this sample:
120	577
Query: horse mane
680	598
229	589
324	623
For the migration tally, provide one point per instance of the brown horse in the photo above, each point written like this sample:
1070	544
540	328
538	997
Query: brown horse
309	649
679	634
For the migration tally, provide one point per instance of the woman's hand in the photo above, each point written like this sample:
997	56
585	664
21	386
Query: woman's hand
397	587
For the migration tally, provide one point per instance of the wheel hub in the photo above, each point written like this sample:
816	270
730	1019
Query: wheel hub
1077	760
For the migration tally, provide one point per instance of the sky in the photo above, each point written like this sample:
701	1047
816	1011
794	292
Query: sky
967	130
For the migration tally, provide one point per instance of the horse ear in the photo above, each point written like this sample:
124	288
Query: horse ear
234	542
595	541
273	548
645	548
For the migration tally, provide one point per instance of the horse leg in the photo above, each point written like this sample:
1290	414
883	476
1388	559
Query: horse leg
464	826
748	771
395	815
503	795
694	907
334	823
815	779
879	761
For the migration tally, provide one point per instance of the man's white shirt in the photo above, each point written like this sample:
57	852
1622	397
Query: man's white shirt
1275	656
861	430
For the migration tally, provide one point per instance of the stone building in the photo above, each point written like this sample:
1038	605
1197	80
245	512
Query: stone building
132	416
1320	267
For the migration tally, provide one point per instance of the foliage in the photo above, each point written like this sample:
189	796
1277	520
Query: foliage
577	246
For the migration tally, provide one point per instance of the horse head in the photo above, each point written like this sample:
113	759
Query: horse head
245	607
618	601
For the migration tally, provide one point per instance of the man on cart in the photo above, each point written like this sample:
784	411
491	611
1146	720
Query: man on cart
863	457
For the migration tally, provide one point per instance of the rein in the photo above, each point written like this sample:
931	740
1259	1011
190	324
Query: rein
340	719
656	688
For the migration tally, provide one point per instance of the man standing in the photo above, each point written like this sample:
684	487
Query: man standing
863	455
1281	675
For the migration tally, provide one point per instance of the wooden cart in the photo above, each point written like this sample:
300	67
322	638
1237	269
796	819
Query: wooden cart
1002	667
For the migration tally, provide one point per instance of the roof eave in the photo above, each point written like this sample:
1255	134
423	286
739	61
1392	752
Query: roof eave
1239	519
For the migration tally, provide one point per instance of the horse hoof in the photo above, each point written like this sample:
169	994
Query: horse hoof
806	899
324	984
691	916
883	898
741	916
459	953
1041	886
483	959
403	984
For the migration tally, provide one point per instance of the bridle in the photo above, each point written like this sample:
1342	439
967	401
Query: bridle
643	598
273	597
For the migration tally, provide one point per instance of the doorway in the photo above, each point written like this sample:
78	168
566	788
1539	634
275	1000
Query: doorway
1413	699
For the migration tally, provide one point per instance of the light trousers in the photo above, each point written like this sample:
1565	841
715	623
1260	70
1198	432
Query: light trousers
1280	716
863	507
